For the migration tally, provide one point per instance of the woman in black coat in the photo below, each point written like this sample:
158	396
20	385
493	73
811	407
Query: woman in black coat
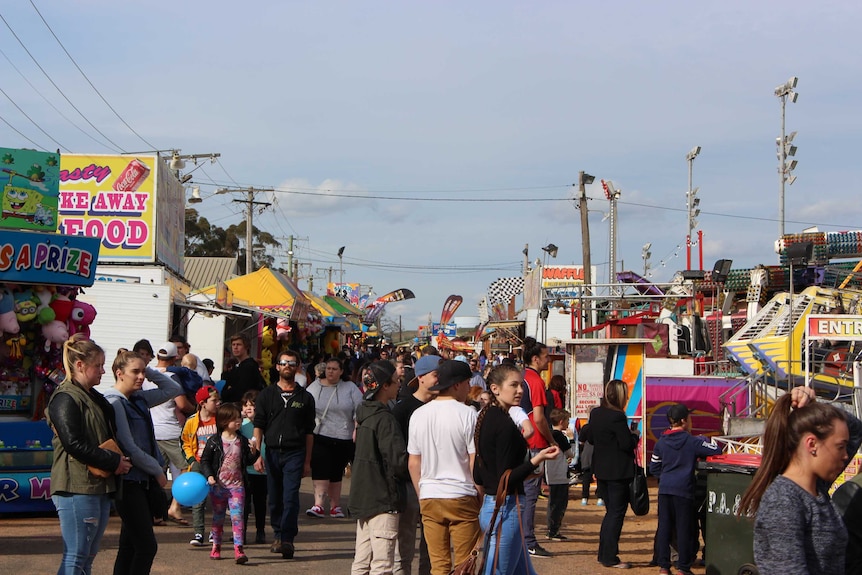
613	466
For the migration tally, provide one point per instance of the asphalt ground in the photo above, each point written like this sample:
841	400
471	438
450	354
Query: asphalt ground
32	544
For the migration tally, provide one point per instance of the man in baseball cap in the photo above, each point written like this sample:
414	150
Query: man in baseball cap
426	378
441	450
167	351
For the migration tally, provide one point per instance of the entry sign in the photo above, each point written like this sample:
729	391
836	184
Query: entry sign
837	327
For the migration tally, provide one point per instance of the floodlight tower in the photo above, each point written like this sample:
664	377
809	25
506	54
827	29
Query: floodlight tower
692	201
785	92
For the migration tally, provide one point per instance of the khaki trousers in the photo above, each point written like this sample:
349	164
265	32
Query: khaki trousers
450	524
375	545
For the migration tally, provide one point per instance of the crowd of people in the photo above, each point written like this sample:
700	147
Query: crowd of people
453	448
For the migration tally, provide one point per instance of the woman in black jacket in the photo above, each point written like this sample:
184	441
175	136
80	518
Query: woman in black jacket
500	447
614	467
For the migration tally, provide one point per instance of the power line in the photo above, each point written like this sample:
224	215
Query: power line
117	147
47	101
32	121
43	148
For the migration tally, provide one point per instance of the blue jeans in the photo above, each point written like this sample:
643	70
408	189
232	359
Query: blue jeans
83	519
284	473
513	557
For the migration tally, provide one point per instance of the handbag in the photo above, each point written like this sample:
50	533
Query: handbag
319	420
110	445
639	494
469	565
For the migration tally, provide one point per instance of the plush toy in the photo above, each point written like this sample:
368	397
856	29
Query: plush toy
62	306
8	321
25	305
55	333
81	317
15	343
44	313
282	329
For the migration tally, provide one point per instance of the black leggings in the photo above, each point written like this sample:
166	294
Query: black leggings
255	493
137	548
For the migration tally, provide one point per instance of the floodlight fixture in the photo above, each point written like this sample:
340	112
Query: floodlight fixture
185	179
588	179
551	250
693	153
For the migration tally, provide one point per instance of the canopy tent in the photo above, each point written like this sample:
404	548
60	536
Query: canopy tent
330	315
270	292
343	306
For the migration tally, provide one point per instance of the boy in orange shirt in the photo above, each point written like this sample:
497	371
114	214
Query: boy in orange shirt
197	430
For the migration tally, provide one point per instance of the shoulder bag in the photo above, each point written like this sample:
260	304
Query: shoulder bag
469	565
639	496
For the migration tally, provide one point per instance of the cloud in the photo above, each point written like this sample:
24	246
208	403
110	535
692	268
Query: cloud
297	197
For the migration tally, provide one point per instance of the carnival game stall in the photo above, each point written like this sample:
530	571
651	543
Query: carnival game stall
41	275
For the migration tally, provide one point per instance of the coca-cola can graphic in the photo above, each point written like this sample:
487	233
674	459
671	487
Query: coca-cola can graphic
132	176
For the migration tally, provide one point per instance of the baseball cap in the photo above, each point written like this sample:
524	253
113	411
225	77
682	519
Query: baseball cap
451	372
677	412
425	365
204	393
381	372
167	350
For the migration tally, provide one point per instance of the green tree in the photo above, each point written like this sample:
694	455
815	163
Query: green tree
204	239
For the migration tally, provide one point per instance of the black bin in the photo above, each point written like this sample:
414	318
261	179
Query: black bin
729	539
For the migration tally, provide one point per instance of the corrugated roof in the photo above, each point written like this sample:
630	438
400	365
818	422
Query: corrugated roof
204	272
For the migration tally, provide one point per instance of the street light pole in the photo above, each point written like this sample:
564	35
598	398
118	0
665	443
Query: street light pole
692	201
785	92
583	180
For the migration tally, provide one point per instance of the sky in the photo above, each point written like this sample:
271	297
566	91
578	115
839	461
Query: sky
434	140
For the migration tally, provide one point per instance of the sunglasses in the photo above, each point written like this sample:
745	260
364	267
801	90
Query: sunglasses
290	363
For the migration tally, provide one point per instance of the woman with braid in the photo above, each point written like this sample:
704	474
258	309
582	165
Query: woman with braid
500	446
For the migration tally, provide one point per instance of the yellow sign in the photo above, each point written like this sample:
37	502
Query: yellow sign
111	198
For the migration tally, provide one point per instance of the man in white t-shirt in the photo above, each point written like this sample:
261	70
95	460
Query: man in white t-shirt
441	454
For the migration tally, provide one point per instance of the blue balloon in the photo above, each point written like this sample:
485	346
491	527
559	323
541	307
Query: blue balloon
190	488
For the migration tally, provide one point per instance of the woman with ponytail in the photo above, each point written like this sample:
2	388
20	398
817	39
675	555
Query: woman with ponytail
500	447
143	497
82	419
806	446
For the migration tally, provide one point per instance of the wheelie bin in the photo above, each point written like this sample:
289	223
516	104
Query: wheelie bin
729	539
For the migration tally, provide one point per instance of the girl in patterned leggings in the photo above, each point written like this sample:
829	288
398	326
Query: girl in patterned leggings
223	463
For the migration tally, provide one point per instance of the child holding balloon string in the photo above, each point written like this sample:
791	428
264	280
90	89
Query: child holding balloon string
223	463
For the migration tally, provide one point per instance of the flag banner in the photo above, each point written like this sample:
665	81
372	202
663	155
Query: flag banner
452	303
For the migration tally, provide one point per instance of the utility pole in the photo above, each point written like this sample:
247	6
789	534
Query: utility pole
290	257
583	180
249	220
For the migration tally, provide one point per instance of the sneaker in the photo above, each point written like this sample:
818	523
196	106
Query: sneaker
336	512
539	551
584	501
315	511
664	571
600	502
275	547
211	537
557	537
542	495
620	565
240	557
260	538
287	550
216	552
198	540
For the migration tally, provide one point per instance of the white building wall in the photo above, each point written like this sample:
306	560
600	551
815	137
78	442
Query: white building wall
125	313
